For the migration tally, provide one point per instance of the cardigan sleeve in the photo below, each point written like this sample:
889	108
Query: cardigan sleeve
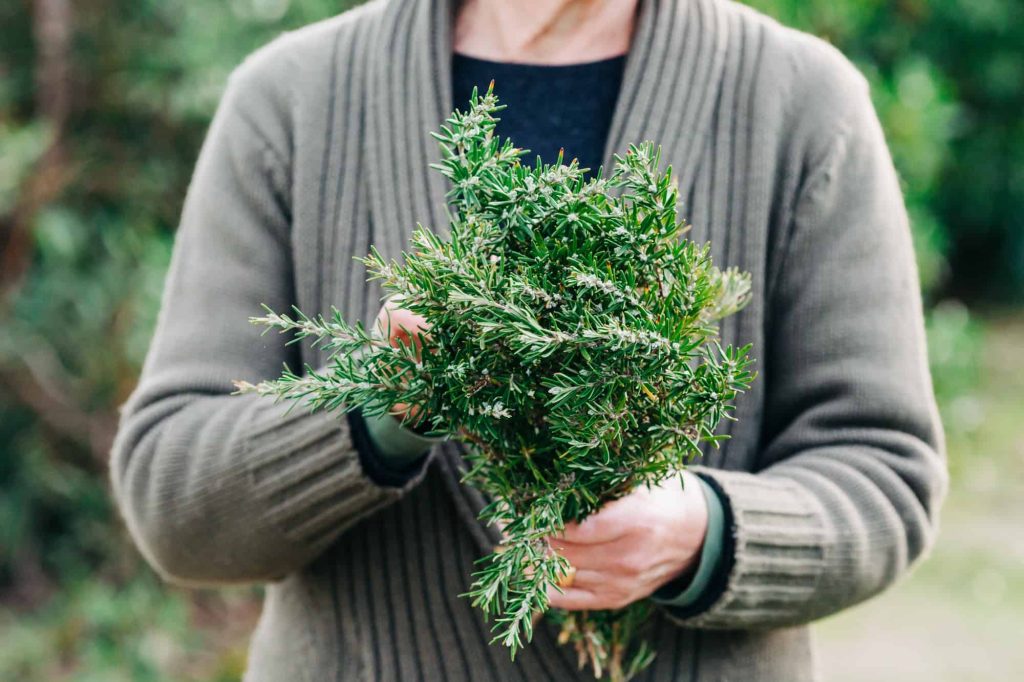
851	467
213	487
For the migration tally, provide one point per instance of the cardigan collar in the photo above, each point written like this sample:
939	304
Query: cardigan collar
675	63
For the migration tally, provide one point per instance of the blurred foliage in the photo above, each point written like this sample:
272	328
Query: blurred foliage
90	194
948	80
103	104
958	619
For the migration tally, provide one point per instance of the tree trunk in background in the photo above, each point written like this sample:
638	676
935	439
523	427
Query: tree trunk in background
51	30
41	383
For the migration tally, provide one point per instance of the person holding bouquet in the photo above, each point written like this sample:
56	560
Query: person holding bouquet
828	489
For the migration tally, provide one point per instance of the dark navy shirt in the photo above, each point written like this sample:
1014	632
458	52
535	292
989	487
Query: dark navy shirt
549	107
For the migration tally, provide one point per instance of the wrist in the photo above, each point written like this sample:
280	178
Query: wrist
694	517
694	585
395	442
687	529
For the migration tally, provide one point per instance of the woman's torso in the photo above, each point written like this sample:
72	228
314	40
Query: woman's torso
383	602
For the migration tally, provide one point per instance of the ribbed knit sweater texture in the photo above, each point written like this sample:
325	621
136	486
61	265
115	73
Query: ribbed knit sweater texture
320	148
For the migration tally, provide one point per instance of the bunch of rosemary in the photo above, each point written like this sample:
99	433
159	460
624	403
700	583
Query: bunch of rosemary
572	346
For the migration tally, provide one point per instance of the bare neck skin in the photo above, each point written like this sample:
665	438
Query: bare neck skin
544	31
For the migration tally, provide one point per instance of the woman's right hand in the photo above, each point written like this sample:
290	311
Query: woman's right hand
401	327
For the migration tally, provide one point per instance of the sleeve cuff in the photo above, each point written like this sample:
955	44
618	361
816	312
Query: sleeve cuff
775	554
686	592
395	444
384	471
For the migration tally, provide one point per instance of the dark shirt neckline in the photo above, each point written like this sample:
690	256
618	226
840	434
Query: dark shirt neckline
550	107
598	63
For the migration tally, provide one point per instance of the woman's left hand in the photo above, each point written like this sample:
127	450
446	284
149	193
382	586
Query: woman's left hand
633	546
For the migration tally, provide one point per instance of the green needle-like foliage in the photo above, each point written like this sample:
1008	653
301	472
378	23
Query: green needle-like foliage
572	344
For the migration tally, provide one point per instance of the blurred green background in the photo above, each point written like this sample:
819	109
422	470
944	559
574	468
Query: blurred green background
103	104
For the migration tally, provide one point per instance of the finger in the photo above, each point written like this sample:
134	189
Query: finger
612	592
620	559
596	529
573	599
407	331
581	599
402	410
605	556
586	579
393	322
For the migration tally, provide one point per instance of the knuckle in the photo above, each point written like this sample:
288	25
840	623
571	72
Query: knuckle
631	564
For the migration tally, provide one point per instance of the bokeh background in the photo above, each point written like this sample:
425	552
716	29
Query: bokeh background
103	104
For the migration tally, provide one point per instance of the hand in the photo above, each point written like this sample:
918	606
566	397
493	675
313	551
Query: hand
633	546
400	326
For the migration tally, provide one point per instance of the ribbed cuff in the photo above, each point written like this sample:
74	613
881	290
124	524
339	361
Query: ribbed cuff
305	465
778	553
685	592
